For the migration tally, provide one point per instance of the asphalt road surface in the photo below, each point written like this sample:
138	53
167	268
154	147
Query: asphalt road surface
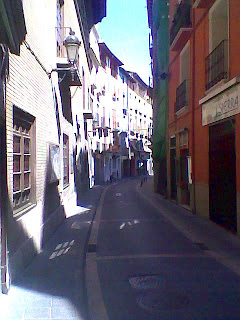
148	270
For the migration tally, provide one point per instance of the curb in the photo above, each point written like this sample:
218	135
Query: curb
232	263
94	298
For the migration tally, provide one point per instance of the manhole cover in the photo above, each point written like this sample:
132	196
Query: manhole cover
154	301
146	282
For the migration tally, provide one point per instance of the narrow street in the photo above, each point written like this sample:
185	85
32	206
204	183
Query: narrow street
160	263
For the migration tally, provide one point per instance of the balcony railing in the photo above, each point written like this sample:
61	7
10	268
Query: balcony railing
182	95
182	19
216	65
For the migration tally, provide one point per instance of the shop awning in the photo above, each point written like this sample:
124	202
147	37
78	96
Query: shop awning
12	24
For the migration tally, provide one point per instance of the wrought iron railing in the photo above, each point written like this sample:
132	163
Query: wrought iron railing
181	19
216	65
182	95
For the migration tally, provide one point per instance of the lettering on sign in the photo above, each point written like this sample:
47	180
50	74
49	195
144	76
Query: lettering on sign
222	106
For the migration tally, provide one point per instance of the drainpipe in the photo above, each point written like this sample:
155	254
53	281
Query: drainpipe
3	179
193	114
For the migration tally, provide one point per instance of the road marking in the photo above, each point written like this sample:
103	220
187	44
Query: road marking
118	194
146	256
228	261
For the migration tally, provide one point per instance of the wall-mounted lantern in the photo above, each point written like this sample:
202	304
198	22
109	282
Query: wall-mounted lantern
72	45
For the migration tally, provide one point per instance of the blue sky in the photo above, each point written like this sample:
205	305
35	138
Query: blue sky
125	31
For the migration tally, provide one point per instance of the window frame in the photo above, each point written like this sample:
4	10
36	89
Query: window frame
27	131
66	160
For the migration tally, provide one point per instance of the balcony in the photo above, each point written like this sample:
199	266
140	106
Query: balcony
181	26
202	4
88	113
216	65
182	95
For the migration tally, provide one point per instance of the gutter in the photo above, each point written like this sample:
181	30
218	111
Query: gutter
4	15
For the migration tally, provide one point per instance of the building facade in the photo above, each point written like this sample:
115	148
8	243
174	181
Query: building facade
122	121
47	105
203	84
158	12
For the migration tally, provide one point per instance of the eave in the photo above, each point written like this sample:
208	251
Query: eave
12	24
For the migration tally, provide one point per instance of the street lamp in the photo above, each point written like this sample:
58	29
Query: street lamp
72	45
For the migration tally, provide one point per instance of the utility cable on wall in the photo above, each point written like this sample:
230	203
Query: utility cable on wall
36	58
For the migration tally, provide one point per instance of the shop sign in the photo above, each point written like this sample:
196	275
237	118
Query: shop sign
222	106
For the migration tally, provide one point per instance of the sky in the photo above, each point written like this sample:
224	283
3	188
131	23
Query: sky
125	31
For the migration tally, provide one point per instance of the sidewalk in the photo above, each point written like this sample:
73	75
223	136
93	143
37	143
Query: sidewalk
213	239
52	287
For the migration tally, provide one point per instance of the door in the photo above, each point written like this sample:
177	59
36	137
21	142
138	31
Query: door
222	175
173	173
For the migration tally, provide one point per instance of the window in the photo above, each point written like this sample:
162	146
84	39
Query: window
65	160
60	29
182	91
23	159
114	118
183	139
108	62
218	23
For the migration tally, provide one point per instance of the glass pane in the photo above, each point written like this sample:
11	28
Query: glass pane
16	144
16	199
26	145
26	163
16	127
16	182
26	196
26	180
16	163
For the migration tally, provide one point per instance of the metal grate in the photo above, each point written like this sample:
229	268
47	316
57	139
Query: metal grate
155	301
146	282
182	95
216	65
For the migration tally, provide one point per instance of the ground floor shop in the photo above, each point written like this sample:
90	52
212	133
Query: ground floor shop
204	176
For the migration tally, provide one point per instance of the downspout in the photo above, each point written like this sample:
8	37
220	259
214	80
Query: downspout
193	114
3	189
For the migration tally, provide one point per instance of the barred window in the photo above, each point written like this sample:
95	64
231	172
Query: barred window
23	159
65	160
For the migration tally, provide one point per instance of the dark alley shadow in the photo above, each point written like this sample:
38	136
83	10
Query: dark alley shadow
55	278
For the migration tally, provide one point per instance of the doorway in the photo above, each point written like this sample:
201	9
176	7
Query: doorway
173	177
222	175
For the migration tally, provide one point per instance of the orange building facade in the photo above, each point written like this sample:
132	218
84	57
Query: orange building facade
203	144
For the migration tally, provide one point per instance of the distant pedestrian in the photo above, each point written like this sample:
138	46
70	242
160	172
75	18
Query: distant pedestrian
111	178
